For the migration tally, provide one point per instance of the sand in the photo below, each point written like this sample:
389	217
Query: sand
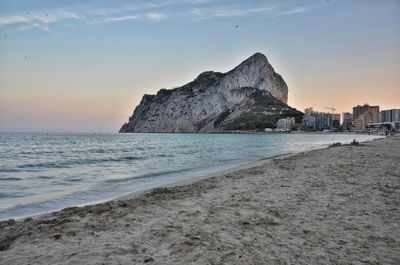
338	205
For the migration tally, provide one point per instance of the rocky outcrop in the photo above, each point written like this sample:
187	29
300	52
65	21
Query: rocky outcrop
251	96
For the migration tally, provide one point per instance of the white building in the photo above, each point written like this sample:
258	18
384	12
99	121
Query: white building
286	124
390	115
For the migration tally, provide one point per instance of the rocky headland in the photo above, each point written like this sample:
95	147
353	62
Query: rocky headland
252	96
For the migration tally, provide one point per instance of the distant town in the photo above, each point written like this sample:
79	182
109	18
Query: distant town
365	118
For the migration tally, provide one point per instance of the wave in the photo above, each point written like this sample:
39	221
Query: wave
43	177
69	163
149	175
13	195
9	170
9	178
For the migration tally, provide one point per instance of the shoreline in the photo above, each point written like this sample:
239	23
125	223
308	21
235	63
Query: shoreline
138	194
220	173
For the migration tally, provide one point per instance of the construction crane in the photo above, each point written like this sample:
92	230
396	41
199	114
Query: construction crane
331	108
331	118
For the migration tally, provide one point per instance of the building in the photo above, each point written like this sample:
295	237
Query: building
362	121
372	110
308	111
281	124
347	120
391	115
286	124
310	123
358	124
335	120
319	121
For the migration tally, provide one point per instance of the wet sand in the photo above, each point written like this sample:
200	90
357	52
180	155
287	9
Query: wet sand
339	205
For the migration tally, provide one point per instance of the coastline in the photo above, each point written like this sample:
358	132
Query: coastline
219	173
331	205
240	165
138	194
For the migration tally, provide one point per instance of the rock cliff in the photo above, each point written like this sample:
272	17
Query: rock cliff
249	97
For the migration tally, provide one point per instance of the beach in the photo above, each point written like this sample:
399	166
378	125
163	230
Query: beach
338	205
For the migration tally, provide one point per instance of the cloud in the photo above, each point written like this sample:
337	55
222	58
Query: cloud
155	17
143	11
151	11
43	27
204	14
13	20
139	7
195	11
195	2
293	11
40	20
117	19
49	18
271	11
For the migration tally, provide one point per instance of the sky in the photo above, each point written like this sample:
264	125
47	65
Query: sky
82	66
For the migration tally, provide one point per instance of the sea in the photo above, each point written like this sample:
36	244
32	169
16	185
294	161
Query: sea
45	172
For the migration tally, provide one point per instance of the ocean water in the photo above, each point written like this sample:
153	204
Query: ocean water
41	173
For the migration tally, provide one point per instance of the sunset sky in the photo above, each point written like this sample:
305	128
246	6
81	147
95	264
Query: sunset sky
82	66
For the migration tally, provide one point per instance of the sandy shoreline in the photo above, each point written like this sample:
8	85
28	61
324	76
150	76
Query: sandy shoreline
331	206
195	176
243	166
